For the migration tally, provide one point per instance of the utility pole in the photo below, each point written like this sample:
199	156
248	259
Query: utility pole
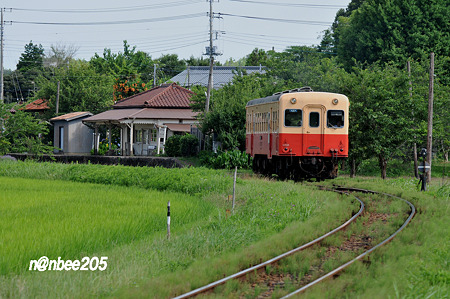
154	75
57	99
430	115
211	52
211	57
1	60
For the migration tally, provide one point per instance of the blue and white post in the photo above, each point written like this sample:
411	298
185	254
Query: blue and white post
168	220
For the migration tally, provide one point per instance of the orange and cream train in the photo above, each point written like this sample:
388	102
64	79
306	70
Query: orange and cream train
298	134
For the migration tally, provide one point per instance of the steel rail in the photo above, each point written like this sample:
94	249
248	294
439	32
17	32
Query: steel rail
275	259
342	267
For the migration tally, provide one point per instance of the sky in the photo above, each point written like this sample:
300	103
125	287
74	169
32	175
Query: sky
164	26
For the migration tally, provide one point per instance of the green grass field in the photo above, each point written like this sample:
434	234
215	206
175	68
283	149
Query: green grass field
72	211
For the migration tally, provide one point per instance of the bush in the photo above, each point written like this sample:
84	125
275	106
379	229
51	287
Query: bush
228	159
189	145
173	146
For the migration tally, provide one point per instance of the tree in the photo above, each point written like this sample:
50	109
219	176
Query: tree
32	58
227	114
395	30
21	132
197	61
60	55
169	65
81	89
131	70
257	57
380	114
21	83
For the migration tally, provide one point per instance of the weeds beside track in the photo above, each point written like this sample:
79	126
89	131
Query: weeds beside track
266	279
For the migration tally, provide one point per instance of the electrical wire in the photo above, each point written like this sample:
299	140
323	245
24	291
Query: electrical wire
171	18
324	6
318	23
116	9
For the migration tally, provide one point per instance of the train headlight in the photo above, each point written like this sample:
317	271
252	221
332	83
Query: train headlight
335	101
293	100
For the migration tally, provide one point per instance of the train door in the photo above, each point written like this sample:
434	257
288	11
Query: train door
252	135
313	130
269	132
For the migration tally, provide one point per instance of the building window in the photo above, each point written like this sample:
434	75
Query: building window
152	135
61	138
137	135
293	118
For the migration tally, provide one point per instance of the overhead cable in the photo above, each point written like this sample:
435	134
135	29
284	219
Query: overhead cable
115	9
171	18
318	23
326	6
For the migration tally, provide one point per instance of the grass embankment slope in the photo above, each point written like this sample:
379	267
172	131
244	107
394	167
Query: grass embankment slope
415	263
72	211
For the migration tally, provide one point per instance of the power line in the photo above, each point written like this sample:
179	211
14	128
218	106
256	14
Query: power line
324	6
116	9
318	23
171	18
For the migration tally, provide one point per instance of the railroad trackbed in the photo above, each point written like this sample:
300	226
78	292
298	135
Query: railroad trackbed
379	219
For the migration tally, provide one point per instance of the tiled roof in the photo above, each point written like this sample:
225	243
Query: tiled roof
137	115
198	75
179	127
38	105
164	96
70	116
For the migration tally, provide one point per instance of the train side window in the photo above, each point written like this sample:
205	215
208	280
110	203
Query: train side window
314	119
293	118
335	119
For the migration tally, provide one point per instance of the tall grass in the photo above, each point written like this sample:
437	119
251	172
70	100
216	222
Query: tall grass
186	180
127	223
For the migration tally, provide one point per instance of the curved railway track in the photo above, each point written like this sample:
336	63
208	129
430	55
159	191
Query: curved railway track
342	190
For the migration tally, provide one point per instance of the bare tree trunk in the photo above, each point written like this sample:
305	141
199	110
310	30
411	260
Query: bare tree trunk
416	172
383	166
353	168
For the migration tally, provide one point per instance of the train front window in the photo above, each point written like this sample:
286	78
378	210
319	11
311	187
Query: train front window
335	119
314	119
293	118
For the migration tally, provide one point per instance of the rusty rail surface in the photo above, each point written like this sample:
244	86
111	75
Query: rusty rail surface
275	259
342	267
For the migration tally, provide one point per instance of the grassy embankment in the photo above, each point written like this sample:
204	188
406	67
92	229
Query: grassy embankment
74	211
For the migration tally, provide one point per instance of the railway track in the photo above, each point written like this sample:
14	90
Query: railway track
307	283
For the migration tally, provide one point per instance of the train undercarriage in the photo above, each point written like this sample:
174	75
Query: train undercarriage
297	168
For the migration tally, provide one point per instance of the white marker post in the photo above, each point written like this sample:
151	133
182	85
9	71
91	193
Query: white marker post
168	220
234	188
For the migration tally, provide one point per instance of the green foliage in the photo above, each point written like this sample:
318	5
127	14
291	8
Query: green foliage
103	147
188	145
227	112
21	132
393	31
187	180
173	146
257	57
181	146
380	114
227	160
32	58
81	89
